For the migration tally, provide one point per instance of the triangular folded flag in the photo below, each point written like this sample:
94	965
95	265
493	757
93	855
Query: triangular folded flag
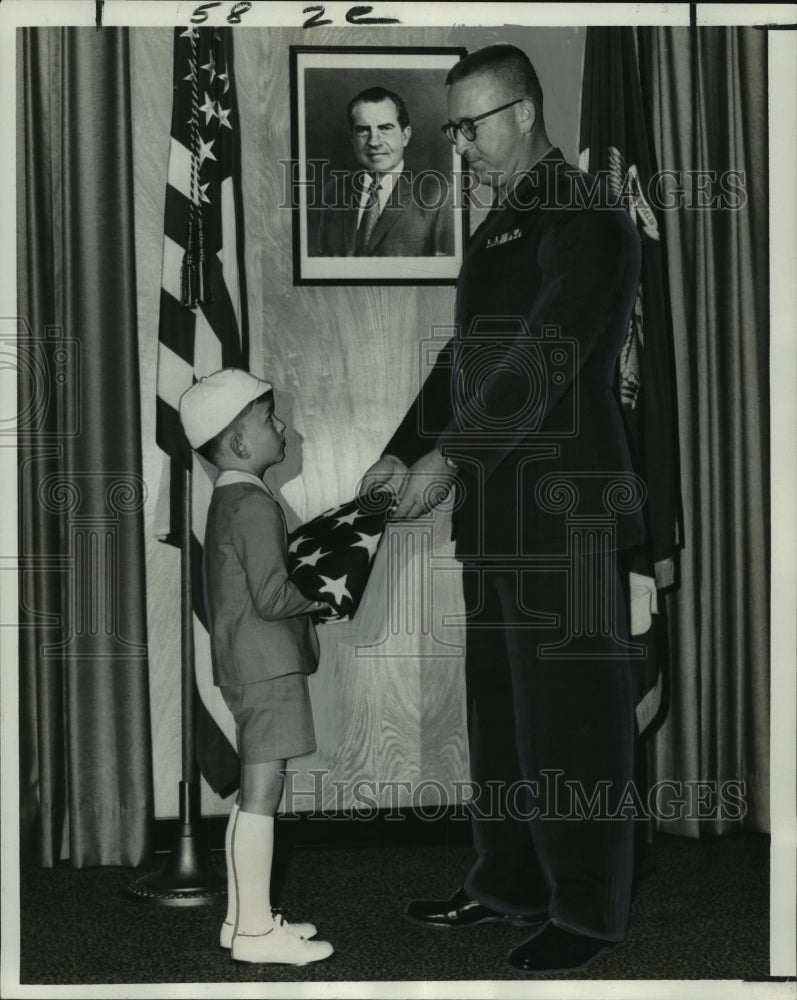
330	557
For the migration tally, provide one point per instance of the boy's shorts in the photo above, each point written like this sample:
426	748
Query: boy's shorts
273	718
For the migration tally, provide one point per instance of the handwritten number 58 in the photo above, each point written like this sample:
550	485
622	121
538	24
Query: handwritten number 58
200	14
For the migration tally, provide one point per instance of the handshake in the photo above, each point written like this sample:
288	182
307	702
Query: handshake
415	490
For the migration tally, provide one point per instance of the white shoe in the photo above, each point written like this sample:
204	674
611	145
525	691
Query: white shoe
302	930
279	946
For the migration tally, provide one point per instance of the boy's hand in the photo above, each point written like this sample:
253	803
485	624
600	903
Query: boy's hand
323	612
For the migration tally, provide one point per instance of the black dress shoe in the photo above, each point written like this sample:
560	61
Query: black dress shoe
460	911
554	949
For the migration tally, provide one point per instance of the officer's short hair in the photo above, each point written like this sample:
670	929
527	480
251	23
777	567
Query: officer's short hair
509	63
375	95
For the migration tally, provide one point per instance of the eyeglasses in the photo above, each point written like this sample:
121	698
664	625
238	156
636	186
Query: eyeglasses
467	125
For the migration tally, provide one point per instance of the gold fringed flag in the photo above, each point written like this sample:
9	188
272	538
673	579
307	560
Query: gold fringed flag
615	144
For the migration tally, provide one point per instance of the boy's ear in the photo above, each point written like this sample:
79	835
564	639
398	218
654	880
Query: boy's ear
238	445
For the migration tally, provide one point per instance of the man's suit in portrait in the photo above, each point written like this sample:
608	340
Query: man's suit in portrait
405	228
522	400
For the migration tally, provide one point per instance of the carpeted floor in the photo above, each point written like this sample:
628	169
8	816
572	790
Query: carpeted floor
700	912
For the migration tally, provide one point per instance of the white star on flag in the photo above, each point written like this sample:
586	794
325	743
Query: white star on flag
312	559
223	115
210	66
209	107
347	518
367	542
336	587
225	77
205	152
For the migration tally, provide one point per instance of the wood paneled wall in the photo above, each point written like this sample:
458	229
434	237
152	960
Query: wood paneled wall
388	699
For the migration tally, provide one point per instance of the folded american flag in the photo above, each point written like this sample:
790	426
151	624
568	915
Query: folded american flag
330	557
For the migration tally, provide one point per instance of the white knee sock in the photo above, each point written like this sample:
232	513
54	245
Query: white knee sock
232	896
252	850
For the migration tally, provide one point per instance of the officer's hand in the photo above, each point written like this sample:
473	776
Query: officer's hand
388	474
426	485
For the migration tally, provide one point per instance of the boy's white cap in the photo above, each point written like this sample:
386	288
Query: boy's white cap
215	400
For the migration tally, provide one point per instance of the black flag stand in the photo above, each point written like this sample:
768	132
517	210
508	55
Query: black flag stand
188	877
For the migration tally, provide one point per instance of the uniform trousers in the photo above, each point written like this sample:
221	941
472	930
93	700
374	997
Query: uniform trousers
551	743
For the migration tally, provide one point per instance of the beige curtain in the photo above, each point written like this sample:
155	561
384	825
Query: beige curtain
707	95
85	745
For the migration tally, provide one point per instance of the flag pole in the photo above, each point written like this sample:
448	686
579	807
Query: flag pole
188	876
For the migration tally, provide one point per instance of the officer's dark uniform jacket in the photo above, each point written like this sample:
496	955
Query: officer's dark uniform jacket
522	396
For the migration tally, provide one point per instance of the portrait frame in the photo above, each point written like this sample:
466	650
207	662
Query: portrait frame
322	161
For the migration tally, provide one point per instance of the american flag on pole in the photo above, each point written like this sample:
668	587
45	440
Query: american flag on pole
202	324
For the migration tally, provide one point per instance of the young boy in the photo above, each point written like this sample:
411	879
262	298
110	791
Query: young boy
263	646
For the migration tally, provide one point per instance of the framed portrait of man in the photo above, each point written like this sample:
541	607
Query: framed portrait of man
377	190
